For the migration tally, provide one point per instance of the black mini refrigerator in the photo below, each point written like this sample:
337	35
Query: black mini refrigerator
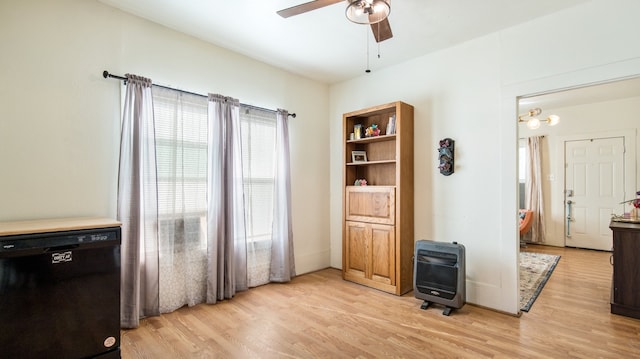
60	294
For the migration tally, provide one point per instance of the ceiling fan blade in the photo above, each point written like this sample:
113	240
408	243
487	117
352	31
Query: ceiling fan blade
302	8
382	30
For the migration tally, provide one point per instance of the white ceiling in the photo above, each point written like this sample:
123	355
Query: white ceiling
323	45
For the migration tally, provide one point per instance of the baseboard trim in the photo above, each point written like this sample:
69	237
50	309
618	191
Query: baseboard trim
312	262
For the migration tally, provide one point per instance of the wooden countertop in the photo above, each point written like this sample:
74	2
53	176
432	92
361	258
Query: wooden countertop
55	225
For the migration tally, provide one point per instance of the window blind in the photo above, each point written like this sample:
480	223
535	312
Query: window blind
181	151
258	159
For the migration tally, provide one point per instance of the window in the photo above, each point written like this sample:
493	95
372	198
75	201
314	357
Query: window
258	159
181	152
182	164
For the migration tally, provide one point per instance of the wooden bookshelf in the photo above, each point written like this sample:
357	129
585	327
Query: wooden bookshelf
378	218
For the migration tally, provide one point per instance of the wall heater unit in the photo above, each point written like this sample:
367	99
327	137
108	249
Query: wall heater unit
439	274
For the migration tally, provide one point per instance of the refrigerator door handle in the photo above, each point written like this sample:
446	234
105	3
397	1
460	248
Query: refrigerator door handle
61	248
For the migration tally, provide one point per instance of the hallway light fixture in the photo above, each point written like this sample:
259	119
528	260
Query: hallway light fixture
368	12
533	122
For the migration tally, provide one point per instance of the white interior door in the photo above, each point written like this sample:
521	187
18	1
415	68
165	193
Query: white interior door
594	188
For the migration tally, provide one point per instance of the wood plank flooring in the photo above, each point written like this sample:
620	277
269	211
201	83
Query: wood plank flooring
318	315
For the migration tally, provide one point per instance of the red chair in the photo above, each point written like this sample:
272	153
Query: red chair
526	220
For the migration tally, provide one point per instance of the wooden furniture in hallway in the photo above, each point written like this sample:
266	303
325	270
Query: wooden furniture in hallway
625	286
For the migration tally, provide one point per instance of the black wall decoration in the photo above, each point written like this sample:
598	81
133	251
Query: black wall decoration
445	156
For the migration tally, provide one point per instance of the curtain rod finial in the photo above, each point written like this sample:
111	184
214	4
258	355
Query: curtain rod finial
292	115
105	74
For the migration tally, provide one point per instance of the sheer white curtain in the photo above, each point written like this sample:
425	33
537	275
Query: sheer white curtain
226	239
137	205
282	260
258	153
534	189
265	157
181	142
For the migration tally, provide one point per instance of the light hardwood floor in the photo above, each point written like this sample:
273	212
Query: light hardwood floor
318	315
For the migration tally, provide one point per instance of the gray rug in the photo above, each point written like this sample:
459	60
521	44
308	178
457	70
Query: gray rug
535	270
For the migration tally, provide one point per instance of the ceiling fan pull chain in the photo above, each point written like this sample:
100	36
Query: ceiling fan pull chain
378	42
367	35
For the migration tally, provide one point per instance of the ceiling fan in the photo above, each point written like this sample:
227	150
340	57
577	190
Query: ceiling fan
372	12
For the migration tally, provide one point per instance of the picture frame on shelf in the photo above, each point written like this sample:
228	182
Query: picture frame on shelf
358	156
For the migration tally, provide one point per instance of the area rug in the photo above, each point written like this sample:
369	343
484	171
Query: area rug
535	270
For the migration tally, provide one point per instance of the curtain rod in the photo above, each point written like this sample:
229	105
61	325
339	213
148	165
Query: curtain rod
106	74
524	138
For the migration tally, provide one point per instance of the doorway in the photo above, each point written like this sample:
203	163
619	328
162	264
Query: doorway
602	111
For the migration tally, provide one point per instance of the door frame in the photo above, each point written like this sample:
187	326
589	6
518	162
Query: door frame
505	295
629	160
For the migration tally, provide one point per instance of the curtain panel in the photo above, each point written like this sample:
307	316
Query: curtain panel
181	142
258	128
534	189
226	238
282	260
137	205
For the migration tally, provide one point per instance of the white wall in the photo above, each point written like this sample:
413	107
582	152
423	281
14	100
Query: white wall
468	93
592	120
60	120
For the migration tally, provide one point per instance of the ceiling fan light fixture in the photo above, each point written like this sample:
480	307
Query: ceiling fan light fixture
367	12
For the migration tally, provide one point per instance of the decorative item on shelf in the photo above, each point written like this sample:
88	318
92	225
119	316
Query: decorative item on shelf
358	156
372	131
391	125
633	213
357	131
446	156
360	182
